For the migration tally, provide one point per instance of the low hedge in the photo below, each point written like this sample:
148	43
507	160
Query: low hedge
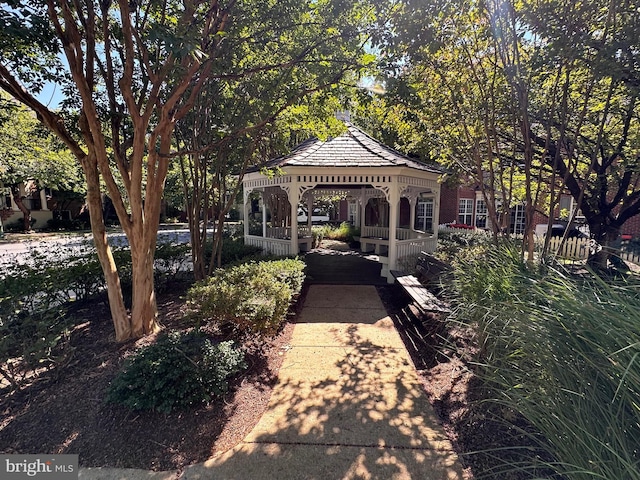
37	291
253	297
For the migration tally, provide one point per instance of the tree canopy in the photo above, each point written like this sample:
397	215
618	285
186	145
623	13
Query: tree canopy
31	157
543	91
132	72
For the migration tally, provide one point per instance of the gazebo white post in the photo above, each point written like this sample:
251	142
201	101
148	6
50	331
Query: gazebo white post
310	200
294	200
413	201
436	211
394	203
246	207
264	214
363	209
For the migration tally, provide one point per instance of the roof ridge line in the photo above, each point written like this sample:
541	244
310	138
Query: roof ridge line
384	147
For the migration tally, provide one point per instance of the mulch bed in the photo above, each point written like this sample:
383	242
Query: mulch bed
63	410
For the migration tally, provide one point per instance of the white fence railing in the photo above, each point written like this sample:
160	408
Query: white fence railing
447	229
578	249
633	257
572	248
273	246
279	232
405	234
285	232
304	230
383	232
370	231
411	248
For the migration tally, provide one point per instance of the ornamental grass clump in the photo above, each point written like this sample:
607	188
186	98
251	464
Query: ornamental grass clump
344	232
564	354
253	297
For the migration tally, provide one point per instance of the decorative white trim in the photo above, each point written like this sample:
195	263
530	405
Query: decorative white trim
263	181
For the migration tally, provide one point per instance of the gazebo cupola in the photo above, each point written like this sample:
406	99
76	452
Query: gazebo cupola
357	167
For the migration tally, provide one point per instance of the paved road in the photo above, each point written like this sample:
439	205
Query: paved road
11	252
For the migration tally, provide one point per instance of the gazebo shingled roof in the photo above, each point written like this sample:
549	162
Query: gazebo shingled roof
354	148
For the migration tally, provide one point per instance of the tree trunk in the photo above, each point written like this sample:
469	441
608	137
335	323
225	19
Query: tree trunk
26	213
605	236
119	314
144	311
143	234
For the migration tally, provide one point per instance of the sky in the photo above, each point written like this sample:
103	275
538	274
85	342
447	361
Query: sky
51	96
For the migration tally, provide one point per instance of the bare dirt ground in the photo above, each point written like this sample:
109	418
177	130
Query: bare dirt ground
63	410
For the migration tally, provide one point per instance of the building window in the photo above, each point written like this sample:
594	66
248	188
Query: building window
517	219
424	215
465	211
565	206
481	213
353	212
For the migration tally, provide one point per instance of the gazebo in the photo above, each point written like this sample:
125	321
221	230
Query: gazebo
394	199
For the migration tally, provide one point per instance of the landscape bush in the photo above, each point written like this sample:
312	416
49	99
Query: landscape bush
177	371
563	352
37	292
344	232
234	250
252	297
64	224
455	246
317	234
17	226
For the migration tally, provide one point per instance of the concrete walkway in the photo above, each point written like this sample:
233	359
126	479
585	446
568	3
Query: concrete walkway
348	405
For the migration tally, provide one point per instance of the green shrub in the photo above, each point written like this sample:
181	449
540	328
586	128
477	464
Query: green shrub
562	352
251	297
344	233
177	371
35	296
457	246
34	300
234	250
34	339
170	261
318	233
63	224
17	226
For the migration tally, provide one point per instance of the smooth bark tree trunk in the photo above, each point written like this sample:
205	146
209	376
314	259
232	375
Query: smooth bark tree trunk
142	234
144	311
119	313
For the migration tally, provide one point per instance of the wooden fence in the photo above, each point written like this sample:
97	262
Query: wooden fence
572	249
578	249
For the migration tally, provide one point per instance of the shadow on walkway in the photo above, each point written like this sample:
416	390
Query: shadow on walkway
339	265
348	403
